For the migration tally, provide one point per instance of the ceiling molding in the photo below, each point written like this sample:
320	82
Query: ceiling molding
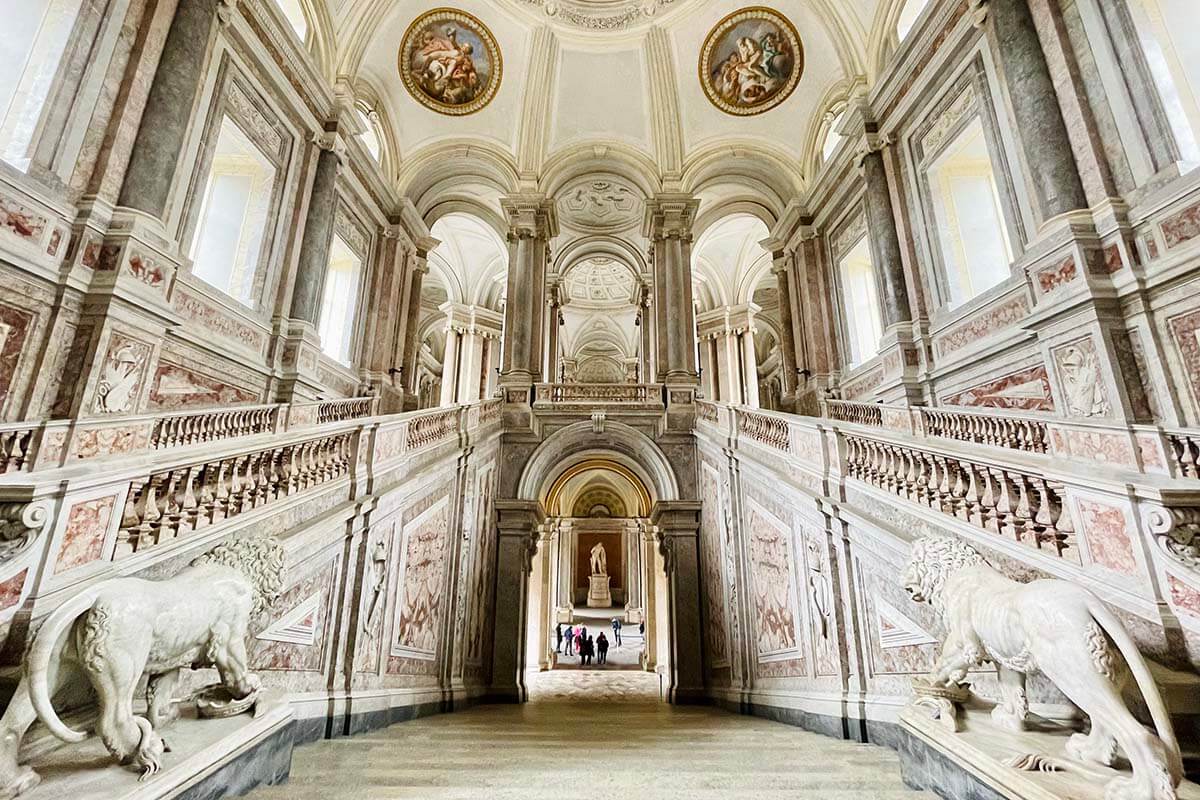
665	121
537	106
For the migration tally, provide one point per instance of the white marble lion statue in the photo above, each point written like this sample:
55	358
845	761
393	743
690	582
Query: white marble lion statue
1066	633
121	629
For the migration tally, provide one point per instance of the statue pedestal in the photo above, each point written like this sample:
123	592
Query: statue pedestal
599	594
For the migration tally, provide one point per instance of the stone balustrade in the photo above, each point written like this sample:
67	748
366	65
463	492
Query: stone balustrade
1026	433
592	394
858	413
768	429
16	446
32	446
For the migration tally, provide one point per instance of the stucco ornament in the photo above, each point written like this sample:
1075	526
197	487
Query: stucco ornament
1062	631
121	629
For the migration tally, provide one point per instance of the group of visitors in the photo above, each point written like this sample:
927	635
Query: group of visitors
580	643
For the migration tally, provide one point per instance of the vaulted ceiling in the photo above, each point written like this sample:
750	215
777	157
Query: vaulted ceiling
614	79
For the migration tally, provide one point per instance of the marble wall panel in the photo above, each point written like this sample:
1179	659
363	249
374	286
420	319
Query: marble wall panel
773	591
175	386
296	637
1106	533
421	581
83	538
1026	390
712	578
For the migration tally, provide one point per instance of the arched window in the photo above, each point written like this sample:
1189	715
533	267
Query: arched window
832	137
1166	29
908	17
294	13
32	44
370	135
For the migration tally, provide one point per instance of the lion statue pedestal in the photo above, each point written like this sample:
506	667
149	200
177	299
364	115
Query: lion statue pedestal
1067	634
113	633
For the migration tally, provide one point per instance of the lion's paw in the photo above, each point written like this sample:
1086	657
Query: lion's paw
1087	748
1133	789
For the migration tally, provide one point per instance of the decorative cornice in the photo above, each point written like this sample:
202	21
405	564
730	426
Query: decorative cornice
670	216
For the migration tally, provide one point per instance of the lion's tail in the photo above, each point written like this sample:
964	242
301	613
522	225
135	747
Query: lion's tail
47	645
1145	681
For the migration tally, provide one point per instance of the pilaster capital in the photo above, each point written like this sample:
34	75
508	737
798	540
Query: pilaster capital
530	216
331	141
225	11
978	12
670	216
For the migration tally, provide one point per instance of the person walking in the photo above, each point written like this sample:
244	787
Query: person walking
558	634
616	626
570	634
602	649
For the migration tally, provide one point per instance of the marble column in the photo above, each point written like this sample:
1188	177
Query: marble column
1036	113
634	602
470	366
749	368
554	321
885	243
646	363
545	620
787	345
492	359
728	373
450	374
668	226
167	119
318	231
418	267
566	571
532	224
518	522
678	524
650	583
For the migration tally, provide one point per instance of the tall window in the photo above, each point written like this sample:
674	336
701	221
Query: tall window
233	219
970	224
32	44
860	302
1167	29
294	13
908	17
832	137
370	134
340	301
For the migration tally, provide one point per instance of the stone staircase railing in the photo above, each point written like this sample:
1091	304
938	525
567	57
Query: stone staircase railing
30	446
1145	448
594	394
1018	493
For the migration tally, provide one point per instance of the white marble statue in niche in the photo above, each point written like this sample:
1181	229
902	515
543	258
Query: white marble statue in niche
111	634
1062	631
599	560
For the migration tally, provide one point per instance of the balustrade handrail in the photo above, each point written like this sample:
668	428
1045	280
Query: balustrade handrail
649	393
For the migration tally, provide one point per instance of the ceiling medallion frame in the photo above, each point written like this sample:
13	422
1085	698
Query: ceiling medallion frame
719	49
475	29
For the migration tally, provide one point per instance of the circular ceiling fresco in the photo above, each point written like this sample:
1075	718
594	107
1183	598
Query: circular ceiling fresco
450	62
751	61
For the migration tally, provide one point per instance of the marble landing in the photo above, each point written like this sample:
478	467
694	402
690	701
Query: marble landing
598	745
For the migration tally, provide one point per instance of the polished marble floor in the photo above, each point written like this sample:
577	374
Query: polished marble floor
606	738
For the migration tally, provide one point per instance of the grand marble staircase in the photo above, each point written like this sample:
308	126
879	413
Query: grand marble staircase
604	745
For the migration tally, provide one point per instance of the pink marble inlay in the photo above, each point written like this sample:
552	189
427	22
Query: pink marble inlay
83	540
1185	597
10	590
1182	226
1057	275
1027	390
1107	536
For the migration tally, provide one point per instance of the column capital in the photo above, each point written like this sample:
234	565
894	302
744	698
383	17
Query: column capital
331	141
670	216
225	11
530	216
978	12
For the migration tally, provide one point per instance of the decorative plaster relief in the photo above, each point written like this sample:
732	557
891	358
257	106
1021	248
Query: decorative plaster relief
121	375
83	538
19	220
101	442
946	123
1105	531
977	327
600	205
295	638
1078	369
774	584
1027	390
214	320
1184	596
1057	274
712	580
176	386
419	604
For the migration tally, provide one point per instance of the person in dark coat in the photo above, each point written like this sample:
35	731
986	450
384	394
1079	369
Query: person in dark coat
570	636
602	649
558	634
616	626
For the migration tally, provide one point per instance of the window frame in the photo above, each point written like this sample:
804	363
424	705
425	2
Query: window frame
355	235
851	231
980	108
259	131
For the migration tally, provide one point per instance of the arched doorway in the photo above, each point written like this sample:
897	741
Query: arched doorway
604	535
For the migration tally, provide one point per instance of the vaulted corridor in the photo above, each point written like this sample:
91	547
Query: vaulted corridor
604	745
